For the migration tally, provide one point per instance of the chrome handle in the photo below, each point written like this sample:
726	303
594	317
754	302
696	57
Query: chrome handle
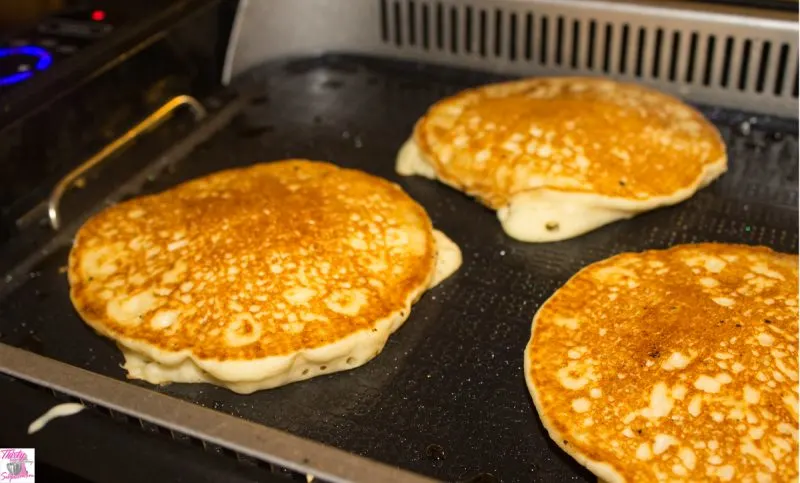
151	121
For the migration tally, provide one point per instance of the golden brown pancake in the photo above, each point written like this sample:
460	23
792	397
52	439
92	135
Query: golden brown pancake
673	365
253	278
557	157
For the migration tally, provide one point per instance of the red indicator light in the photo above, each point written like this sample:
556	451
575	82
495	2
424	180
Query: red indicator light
98	15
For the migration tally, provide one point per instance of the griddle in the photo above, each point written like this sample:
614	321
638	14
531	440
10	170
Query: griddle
446	398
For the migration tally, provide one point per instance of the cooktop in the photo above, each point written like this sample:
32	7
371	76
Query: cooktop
76	74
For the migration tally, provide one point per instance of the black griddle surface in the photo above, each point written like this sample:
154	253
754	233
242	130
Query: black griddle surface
446	397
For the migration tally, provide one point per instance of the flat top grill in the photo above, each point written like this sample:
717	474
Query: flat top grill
446	397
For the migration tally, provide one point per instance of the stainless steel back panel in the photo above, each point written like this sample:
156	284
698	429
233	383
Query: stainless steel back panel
738	58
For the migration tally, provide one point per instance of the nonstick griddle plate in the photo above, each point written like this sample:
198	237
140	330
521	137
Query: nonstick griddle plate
446	397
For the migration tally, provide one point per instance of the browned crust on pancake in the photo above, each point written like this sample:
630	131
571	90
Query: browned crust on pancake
745	343
244	237
577	135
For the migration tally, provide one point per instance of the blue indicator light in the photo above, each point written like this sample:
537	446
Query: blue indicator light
14	78
44	59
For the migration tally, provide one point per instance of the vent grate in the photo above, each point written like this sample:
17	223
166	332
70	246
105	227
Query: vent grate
528	38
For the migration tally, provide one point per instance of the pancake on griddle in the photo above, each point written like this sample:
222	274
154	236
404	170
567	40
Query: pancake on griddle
258	277
557	157
673	365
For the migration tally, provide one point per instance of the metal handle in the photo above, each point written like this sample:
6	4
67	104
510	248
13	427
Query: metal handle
151	121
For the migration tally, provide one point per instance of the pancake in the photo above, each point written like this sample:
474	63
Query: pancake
673	365
254	278
558	157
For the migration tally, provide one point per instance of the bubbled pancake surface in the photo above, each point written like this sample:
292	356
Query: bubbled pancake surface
245	271
673	365
593	136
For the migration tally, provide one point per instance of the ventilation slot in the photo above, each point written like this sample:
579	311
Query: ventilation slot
725	73
641	52
763	67
482	35
592	44
675	56
426	26
544	26
708	63
575	44
439	26
512	37
498	33
412	23
454	30
384	22
559	40
528	42
744	70
786	80
608	47
398	22
655	68
694	41
469	37
624	48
